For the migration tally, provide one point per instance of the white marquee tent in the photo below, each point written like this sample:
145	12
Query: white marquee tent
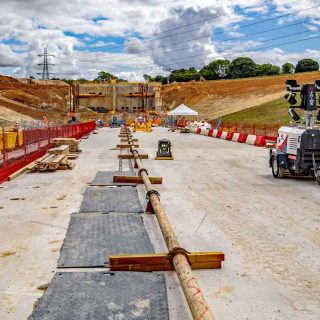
182	110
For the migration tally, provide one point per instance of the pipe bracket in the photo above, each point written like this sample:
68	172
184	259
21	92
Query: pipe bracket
177	250
142	170
149	193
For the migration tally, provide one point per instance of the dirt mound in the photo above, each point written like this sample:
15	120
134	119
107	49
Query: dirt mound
218	98
34	99
8	79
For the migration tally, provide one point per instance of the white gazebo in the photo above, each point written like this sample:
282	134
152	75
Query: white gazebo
182	110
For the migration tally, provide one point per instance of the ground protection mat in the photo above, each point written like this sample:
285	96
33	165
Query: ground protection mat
103	296
92	238
111	199
105	178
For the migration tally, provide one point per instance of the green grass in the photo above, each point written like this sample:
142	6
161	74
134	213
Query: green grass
273	112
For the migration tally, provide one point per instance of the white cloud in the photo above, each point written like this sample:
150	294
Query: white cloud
36	24
7	57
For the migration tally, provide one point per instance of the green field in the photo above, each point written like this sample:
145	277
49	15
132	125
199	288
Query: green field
273	112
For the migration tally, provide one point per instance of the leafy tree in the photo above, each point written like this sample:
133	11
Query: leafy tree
148	78
105	76
160	78
242	67
267	69
184	75
305	65
217	69
287	68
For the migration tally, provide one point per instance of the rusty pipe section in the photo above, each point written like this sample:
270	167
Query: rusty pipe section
198	305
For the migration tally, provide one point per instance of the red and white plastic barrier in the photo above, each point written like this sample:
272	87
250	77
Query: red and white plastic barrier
258	141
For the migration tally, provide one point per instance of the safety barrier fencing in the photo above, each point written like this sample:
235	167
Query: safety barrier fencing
19	148
258	129
258	136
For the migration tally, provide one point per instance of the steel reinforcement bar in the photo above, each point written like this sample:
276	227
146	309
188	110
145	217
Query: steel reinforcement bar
198	305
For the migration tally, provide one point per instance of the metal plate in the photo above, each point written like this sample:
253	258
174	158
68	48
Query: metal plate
111	199
105	178
92	238
92	295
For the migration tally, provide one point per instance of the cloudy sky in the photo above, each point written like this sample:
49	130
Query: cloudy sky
132	37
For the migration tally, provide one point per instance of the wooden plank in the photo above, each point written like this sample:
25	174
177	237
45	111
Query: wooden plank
126	140
64	149
136	179
155	258
73	156
126	146
59	158
159	262
162	267
131	156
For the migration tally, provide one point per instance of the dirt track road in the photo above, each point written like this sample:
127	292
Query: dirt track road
219	195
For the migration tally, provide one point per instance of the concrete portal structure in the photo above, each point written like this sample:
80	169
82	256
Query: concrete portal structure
127	97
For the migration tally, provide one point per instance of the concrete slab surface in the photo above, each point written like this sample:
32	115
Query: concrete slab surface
218	195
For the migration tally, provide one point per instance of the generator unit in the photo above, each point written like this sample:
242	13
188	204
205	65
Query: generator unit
298	145
164	150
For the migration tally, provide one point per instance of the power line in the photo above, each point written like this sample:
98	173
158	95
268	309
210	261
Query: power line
220	53
214	17
241	27
232	53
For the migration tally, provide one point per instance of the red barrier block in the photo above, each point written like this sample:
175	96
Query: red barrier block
219	133
198	131
242	137
210	133
229	136
260	141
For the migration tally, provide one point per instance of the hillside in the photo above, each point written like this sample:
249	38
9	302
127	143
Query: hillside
222	97
271	112
29	101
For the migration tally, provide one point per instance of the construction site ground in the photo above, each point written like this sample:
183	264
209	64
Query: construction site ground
218	195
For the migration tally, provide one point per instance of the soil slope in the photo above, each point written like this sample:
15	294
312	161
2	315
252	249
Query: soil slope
33	100
218	98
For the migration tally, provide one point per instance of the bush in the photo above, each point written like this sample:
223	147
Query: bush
305	65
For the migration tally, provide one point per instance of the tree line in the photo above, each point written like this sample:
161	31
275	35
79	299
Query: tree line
242	67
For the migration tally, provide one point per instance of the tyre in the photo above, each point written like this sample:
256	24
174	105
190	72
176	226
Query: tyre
277	172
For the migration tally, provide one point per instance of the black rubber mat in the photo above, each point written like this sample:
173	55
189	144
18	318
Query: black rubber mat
105	178
91	238
111	199
103	296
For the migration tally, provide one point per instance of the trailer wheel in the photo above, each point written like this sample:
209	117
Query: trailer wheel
277	172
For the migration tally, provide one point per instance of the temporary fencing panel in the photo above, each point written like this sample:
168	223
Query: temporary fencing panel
22	147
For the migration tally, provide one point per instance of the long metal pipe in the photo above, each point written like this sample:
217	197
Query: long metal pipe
198	305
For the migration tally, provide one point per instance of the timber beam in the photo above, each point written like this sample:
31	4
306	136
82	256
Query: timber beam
126	140
126	146
160	261
136	179
131	156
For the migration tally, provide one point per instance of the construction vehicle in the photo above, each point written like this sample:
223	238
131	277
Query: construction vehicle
164	150
298	146
114	122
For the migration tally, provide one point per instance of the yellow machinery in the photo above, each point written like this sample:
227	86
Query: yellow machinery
143	126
